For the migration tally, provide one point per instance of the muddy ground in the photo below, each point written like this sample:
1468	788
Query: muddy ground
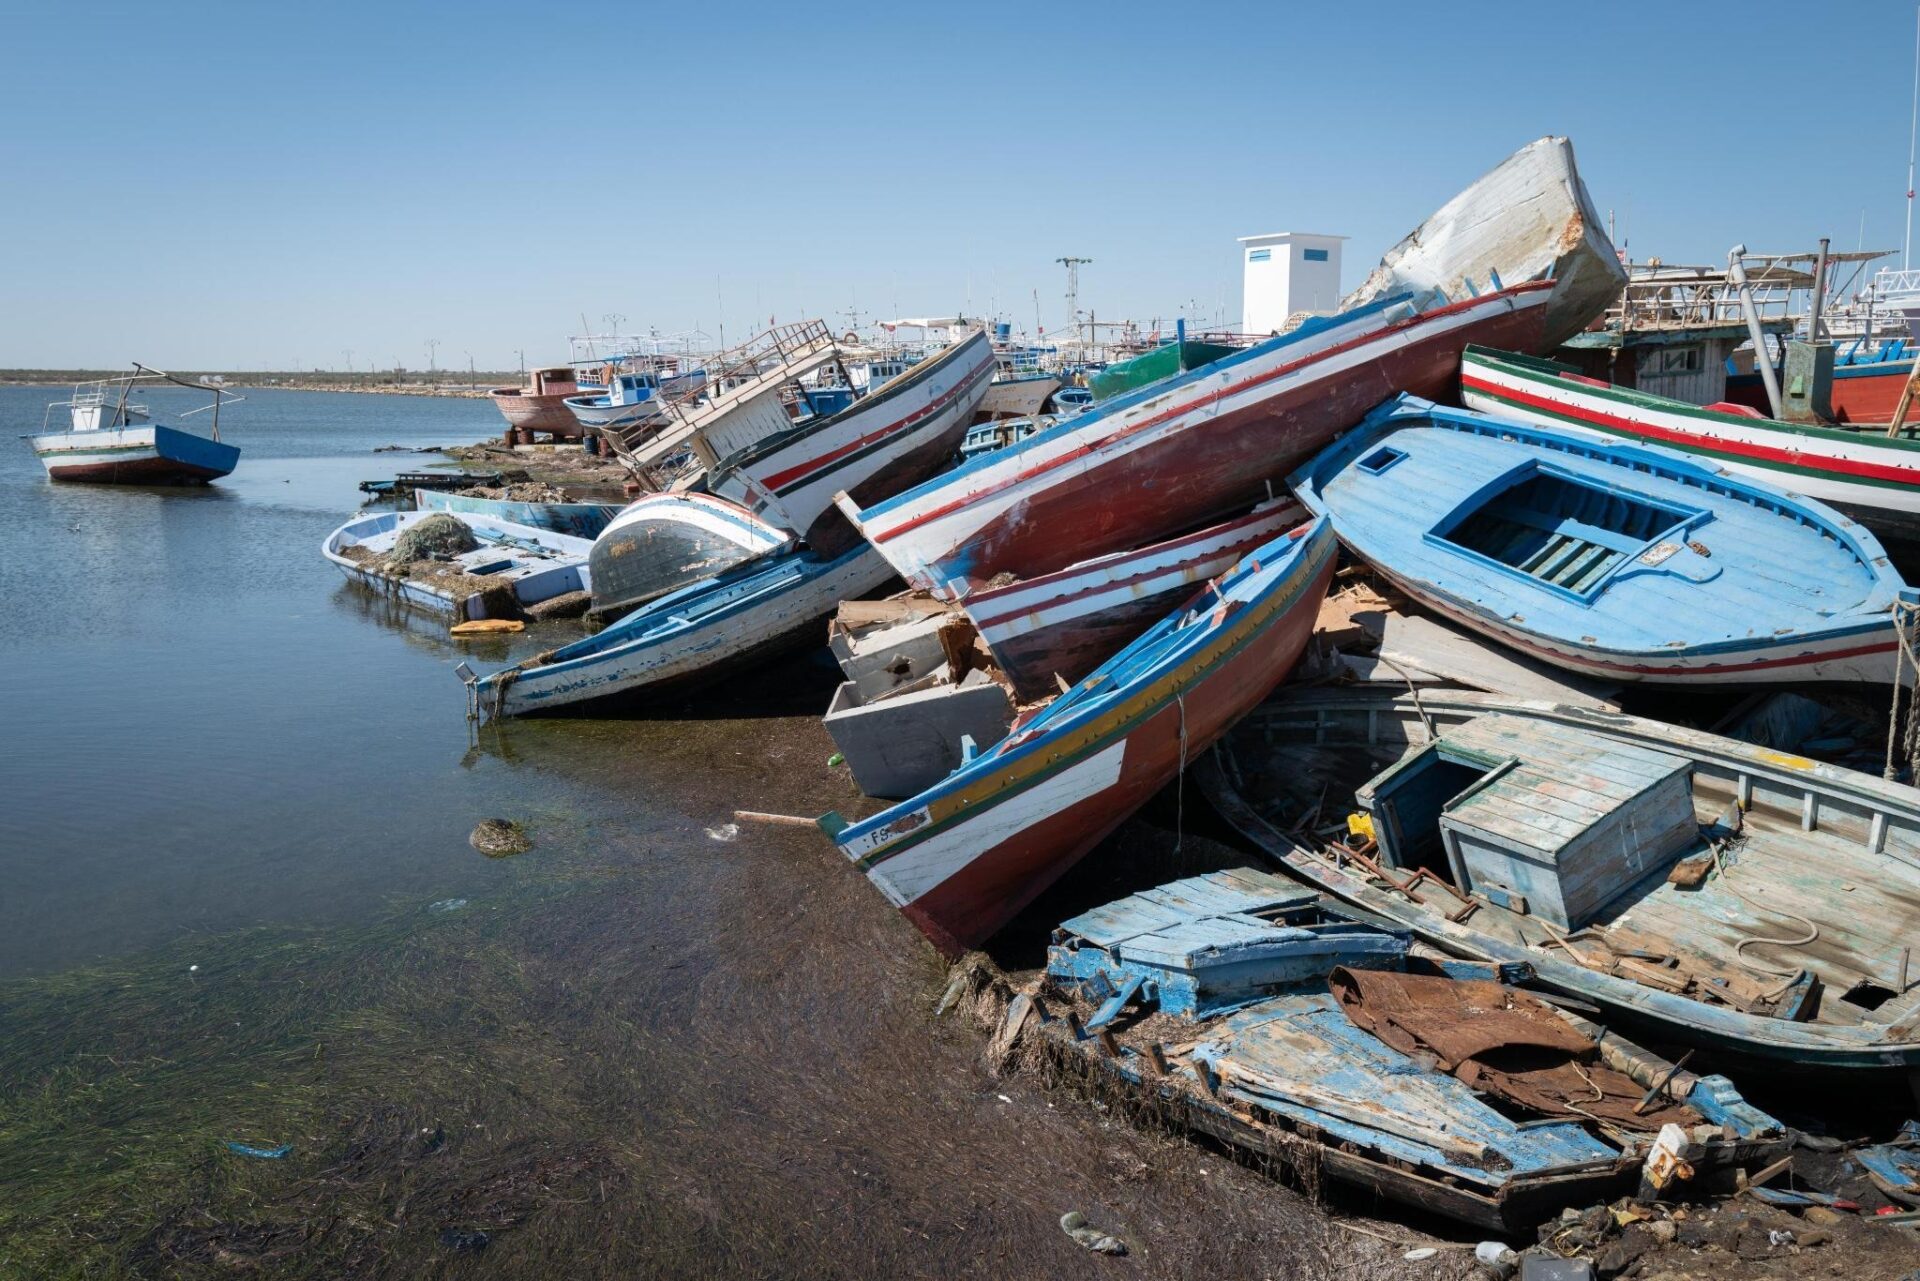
674	1046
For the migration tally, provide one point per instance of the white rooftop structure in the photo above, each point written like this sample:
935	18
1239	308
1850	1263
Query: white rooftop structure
1287	272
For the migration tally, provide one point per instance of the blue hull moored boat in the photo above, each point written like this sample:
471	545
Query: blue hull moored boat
1620	561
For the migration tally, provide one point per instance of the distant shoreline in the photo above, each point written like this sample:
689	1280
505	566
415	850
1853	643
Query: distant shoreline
272	382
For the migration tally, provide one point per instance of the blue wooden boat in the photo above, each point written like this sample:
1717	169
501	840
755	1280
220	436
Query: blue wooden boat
413	482
581	520
688	637
1712	893
1254	1010
515	565
111	440
1624	562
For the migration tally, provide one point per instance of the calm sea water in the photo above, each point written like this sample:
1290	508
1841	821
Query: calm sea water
201	724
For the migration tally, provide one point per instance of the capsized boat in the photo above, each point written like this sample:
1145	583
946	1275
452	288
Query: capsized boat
1871	477
686	638
111	440
662	543
513	566
1619	561
1751	903
1251	1008
1048	632
781	428
963	857
581	520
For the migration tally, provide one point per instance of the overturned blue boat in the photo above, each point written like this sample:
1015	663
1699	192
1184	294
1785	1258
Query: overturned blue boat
1622	562
1255	1012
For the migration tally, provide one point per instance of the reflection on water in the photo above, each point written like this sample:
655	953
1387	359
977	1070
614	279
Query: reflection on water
204	726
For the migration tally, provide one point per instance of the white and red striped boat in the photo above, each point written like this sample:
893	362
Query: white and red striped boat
1870	476
1048	631
1180	452
963	857
898	433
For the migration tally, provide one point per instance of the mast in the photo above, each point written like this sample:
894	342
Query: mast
1913	135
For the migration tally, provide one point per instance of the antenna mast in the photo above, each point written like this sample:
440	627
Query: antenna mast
1913	134
1073	266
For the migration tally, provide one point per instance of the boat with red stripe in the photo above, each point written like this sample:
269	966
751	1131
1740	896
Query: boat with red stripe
1617	560
1868	475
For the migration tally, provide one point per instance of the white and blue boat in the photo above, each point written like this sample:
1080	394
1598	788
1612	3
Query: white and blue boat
580	520
689	637
110	440
1620	561
631	398
515	566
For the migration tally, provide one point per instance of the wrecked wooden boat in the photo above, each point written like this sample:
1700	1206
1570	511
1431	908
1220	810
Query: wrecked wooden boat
1210	441
508	569
1048	632
1868	475
772	434
1619	561
580	520
1250	1008
961	858
662	543
685	638
1751	903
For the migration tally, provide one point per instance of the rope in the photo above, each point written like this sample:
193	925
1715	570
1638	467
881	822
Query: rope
1755	940
1904	660
1413	690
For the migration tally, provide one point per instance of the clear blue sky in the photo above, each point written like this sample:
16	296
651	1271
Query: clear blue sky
248	186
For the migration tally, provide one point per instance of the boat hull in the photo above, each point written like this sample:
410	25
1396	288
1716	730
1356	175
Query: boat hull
891	438
962	859
1722	581
531	565
1859	394
136	455
1182	452
579	520
689	638
1059	627
536	413
1874	476
1016	397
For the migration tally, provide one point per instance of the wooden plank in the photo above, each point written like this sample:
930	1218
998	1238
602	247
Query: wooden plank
1422	642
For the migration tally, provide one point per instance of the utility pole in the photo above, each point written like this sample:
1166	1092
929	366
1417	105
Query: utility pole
433	345
523	363
348	353
472	379
1073	266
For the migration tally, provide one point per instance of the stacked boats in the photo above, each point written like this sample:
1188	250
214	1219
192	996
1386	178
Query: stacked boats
1099	603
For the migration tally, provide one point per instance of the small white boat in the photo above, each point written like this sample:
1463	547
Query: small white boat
515	566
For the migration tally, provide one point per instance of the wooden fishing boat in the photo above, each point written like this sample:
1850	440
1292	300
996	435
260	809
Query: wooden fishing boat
541	405
1250	1008
112	441
581	520
686	638
1619	561
964	856
898	433
1865	390
664	542
1869	476
414	482
1184	451
1751	903
515	566
1016	396
1050	631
